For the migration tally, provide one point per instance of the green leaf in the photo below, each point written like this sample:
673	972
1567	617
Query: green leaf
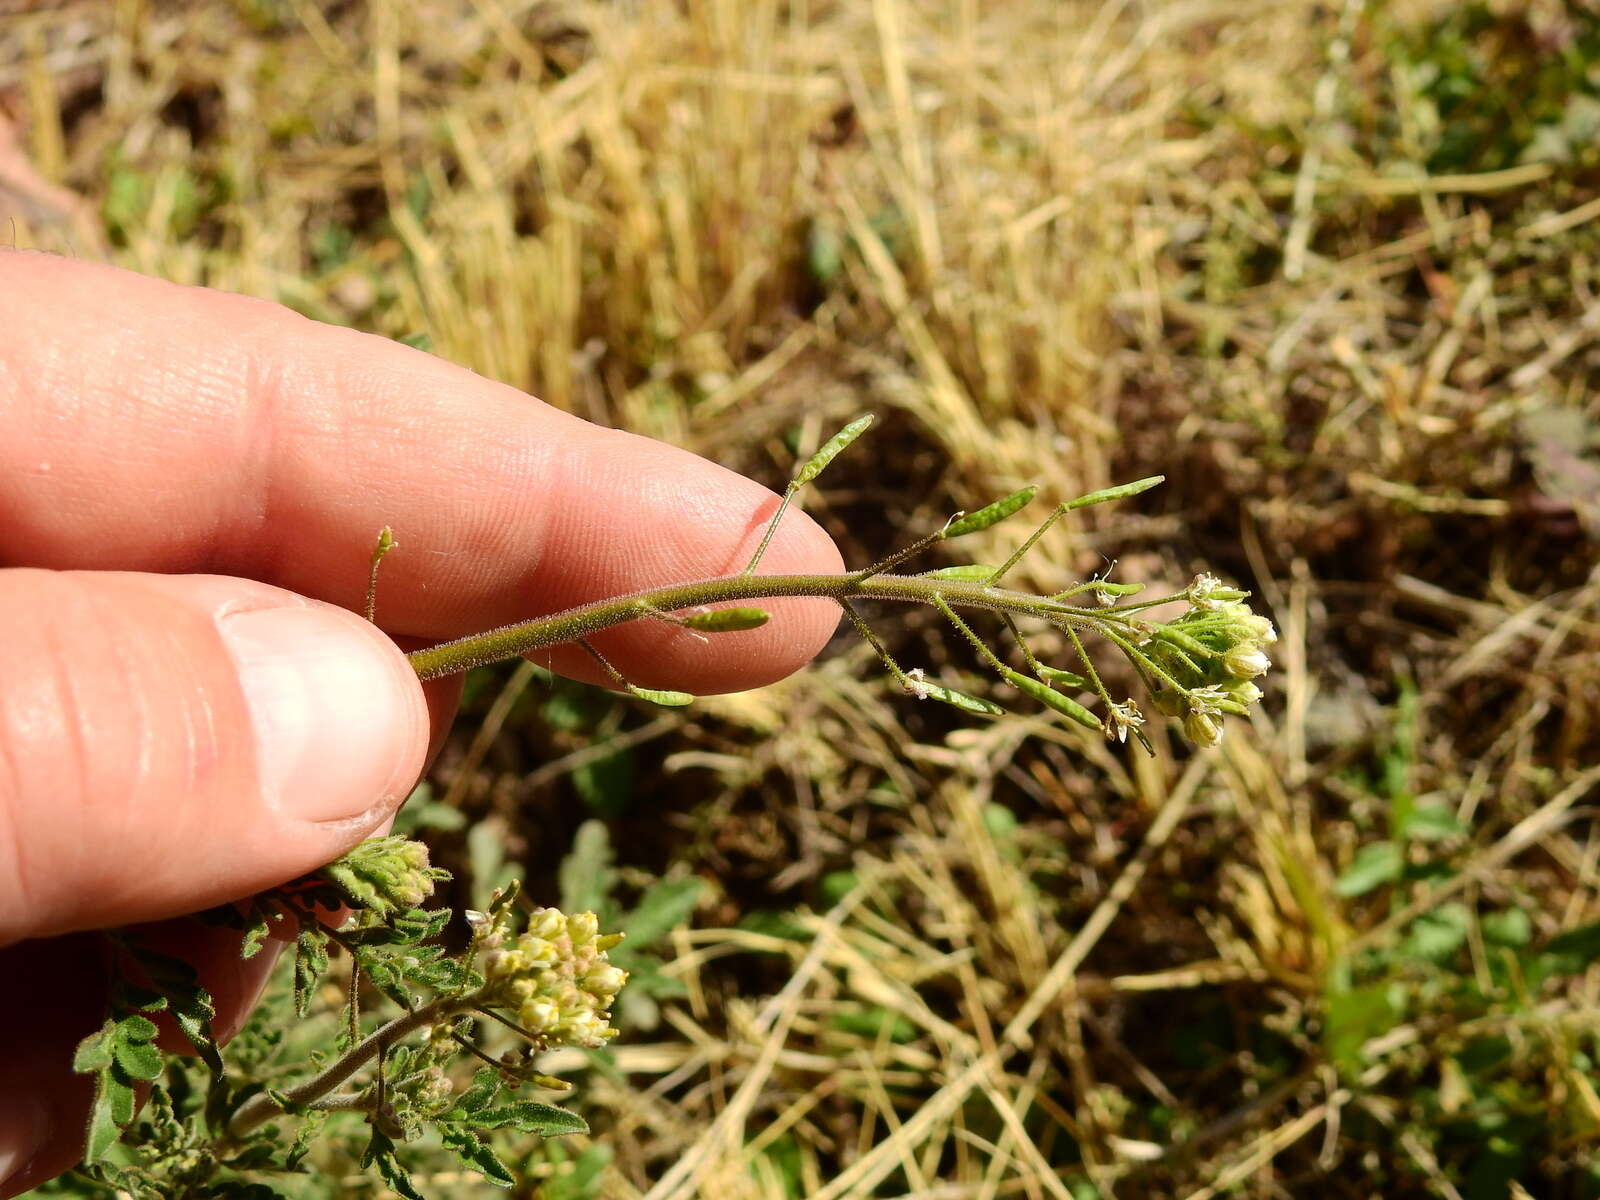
831	449
104	1130
585	875
1121	492
485	1087
310	1128
1578	947
1355	1016
396	1176
663	908
470	1148
140	1060
1511	927
990	514
189	1003
1430	823
1435	936
255	937
1051	698
1374	865
136	1028
94	1052
663	697
531	1116
380	1154
310	961
606	784
728	620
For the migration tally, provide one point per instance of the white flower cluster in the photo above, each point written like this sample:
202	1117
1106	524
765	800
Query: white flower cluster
1212	653
557	977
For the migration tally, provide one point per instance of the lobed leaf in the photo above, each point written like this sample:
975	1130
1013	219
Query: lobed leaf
310	961
990	514
140	1060
472	1150
831	449
664	907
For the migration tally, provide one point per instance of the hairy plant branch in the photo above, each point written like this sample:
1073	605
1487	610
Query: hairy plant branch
541	633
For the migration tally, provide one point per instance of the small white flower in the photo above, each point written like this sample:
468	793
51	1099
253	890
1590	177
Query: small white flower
1124	716
1259	628
1203	590
1105	599
1205	701
917	683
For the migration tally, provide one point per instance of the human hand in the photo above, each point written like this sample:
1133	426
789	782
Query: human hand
190	486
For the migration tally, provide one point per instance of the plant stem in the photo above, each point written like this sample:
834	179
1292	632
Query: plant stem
510	641
260	1109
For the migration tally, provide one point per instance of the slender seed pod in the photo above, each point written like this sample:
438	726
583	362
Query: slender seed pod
727	620
990	514
1051	698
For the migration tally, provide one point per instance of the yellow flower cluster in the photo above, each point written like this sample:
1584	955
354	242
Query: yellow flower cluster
557	978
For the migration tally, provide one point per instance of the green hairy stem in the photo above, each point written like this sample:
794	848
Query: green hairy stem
541	633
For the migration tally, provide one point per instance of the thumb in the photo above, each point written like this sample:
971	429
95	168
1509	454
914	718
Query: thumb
170	742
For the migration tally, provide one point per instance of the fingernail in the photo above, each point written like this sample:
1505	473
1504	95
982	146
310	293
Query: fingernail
24	1130
337	714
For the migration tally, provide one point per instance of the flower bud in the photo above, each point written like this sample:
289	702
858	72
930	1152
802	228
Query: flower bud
604	980
1246	661
1258	629
1203	729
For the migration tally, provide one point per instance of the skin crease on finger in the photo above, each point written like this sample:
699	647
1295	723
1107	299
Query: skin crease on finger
150	427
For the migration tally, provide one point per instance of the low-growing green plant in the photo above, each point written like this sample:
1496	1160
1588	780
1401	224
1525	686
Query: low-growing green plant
547	976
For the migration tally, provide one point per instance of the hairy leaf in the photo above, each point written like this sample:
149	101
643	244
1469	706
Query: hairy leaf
140	1060
472	1150
310	961
663	908
531	1116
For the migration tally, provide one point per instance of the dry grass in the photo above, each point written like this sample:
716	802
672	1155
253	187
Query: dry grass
1252	245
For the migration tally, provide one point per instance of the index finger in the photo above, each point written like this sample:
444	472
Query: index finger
150	427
